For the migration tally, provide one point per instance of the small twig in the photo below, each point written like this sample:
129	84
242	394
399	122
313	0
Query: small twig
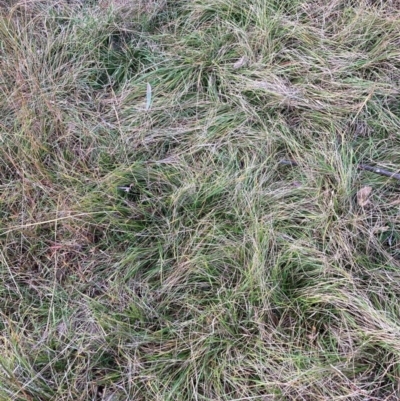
288	162
376	170
379	171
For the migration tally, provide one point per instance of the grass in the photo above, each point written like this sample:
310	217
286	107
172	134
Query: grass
221	274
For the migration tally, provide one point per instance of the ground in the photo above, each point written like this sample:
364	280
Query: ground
154	246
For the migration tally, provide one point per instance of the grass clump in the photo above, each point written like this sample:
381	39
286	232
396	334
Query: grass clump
153	247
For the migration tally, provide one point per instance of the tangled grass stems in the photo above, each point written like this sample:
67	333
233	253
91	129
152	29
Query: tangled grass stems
155	243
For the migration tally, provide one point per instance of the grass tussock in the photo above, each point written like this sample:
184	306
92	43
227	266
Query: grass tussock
153	247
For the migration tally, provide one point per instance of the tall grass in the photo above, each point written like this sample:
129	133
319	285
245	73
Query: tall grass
157	248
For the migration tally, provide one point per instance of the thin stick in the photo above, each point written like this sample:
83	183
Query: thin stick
379	171
72	216
366	167
288	162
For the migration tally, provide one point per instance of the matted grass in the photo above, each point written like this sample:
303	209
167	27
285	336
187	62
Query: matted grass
220	273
